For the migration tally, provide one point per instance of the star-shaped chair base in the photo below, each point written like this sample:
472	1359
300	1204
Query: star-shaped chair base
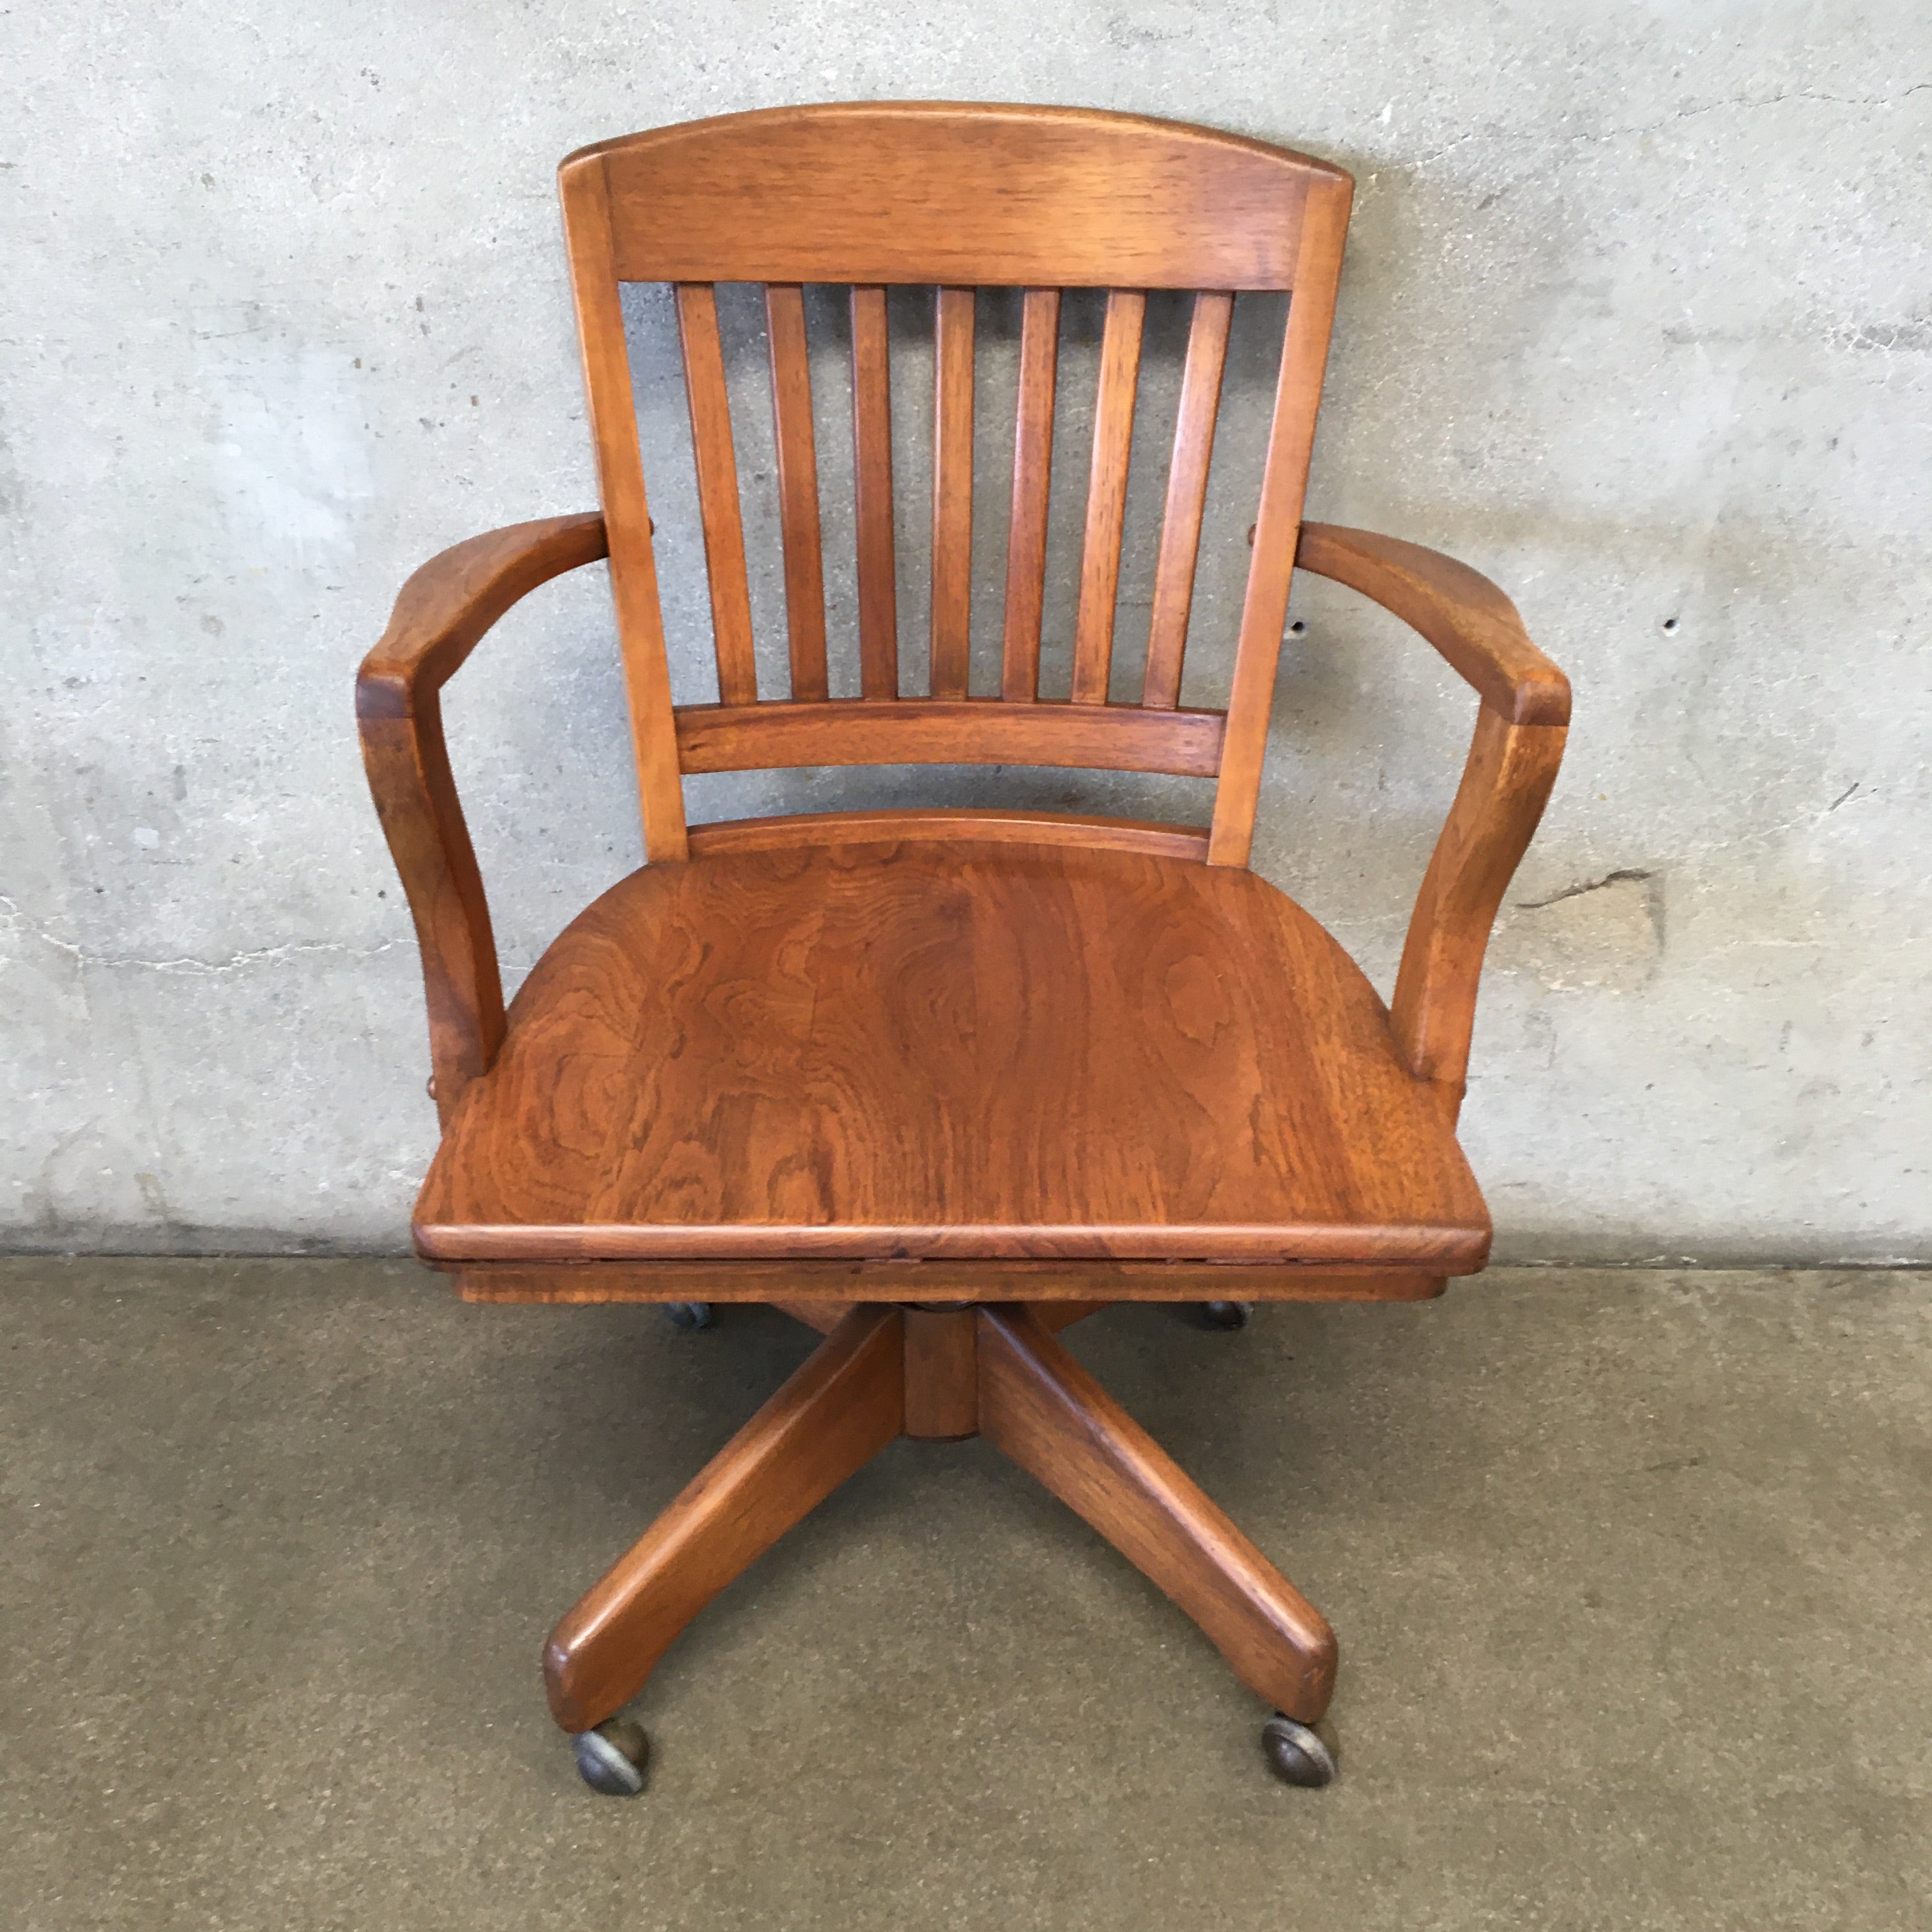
942	1374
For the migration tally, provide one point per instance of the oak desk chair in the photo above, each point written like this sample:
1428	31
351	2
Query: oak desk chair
941	1082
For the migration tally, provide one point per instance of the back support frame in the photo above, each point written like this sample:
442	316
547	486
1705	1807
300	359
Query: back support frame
956	198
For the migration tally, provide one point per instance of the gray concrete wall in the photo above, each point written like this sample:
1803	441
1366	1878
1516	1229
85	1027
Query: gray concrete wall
1637	320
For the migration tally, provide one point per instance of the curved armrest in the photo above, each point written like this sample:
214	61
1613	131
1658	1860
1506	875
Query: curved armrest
444	609
1512	764
1458	610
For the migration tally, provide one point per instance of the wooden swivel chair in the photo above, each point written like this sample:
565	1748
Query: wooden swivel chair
941	1082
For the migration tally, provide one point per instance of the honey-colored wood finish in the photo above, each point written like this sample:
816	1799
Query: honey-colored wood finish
1044	1284
894	193
1510	770
951	492
951	1049
939	1082
933	731
872	481
982	824
798	489
831	1418
1033	468
718	508
1039	1406
938	193
942	1387
442	612
1514	757
627	521
1187	498
1291	438
1107	495
1464	615
939	1375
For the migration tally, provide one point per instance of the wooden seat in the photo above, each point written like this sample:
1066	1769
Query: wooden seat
940	1082
945	1049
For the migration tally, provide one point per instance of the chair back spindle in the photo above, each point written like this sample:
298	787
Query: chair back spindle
872	476
1033	466
718	502
798	490
1186	498
1107	494
952	491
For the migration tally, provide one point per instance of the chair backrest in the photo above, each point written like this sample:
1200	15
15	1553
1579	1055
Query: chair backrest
957	198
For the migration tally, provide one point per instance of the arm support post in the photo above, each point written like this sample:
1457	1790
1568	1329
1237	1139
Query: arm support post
1505	782
1512	760
442	612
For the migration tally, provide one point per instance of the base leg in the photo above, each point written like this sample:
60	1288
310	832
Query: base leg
837	1411
1038	1405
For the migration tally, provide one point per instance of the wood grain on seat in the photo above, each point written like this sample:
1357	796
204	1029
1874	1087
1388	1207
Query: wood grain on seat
958	1049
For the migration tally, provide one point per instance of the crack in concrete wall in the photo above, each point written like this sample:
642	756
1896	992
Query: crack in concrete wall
1628	875
257	956
1607	933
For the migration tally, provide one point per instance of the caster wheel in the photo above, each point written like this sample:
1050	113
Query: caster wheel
1298	1753
1226	1314
688	1314
612	1758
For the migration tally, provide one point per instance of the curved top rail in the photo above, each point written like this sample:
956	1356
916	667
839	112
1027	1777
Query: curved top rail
953	193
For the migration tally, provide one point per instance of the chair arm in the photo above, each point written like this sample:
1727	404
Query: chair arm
443	611
1520	727
1458	610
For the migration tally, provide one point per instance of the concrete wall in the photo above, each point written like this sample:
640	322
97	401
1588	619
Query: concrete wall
1637	320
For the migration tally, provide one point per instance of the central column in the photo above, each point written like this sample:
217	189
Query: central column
942	1372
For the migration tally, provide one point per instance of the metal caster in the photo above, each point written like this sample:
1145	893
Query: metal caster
1226	1314
688	1314
612	1758
1297	1754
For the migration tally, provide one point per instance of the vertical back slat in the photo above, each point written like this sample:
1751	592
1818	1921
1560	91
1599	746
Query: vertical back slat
1186	494
953	493
872	475
620	473
1311	314
1033	471
798	488
718	492
1107	494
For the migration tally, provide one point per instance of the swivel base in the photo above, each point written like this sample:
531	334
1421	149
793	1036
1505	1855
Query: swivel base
940	1374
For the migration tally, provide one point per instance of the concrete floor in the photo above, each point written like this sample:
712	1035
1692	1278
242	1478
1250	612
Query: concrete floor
1630	1571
